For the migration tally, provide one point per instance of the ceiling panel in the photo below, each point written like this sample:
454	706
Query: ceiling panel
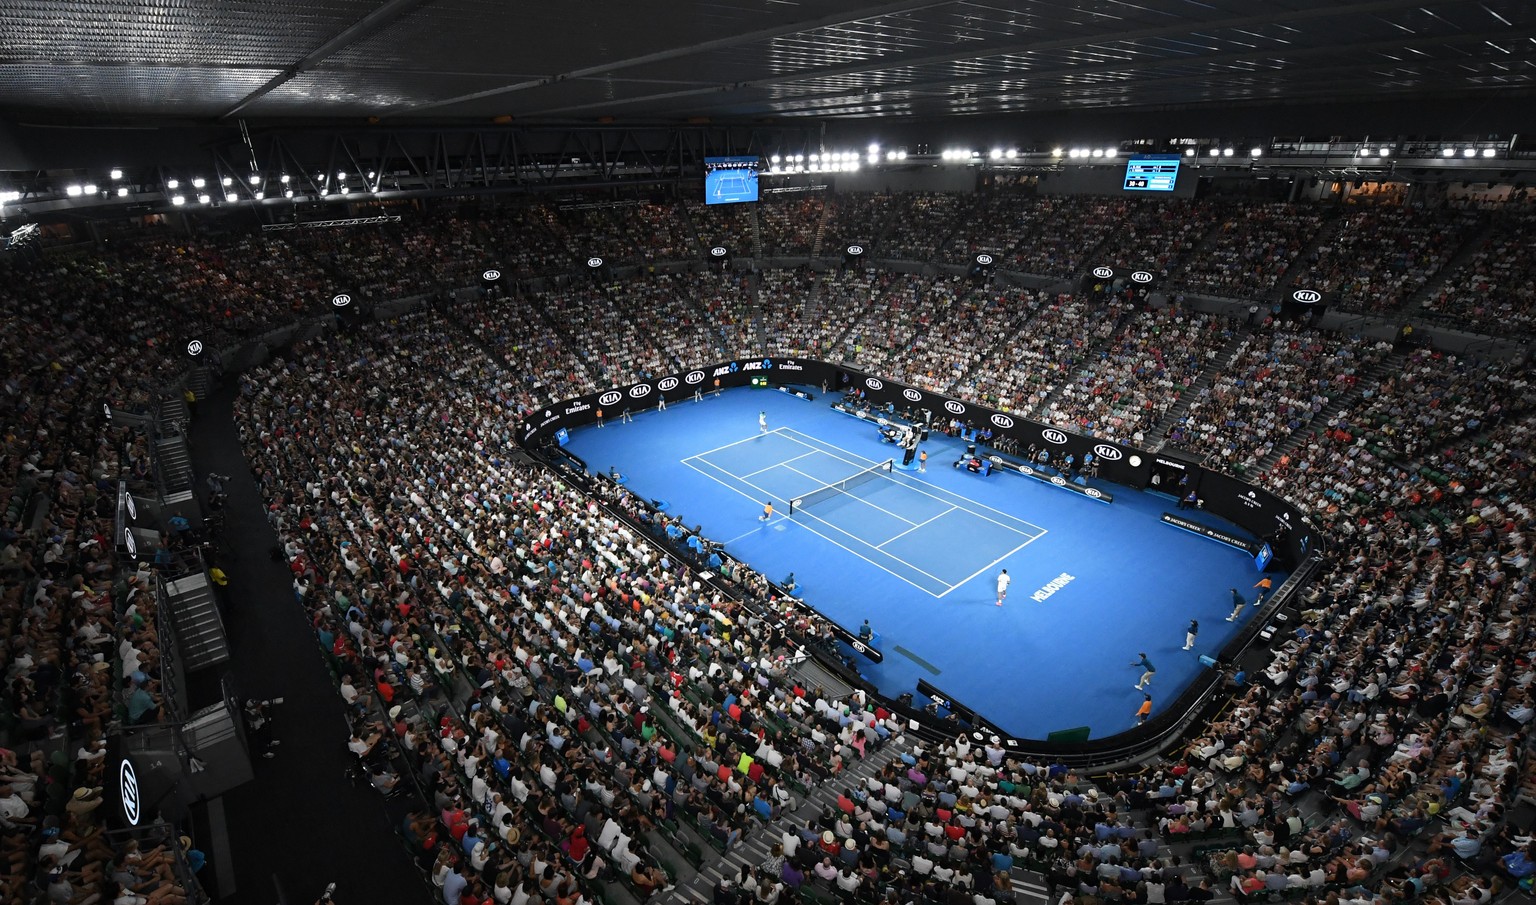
403	59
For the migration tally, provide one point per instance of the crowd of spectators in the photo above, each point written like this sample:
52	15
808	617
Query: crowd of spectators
920	224
1495	289
1278	381
629	232
1128	385
857	218
1071	228
1160	235
554	686
789	223
1253	250
1381	256
996	222
547	684
730	225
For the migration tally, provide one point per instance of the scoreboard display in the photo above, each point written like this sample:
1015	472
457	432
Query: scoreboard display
1152	174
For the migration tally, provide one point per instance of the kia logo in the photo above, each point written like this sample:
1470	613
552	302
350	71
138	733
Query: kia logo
1103	273
912	395
611	397
342	300
858	645
1026	470
491	276
128	787
667	383
855	249
954	408
1093	493
195	347
1058	480
983	260
873	384
1307	296
997	460
1052	435
694	377
718	251
1141	276
1107	453
594	262
640	392
1002	421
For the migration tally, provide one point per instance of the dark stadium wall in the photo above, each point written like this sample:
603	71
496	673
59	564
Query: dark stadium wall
923	178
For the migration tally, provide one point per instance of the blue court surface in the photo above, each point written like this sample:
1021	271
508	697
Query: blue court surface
918	555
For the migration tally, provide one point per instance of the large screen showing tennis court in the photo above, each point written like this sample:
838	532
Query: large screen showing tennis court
728	180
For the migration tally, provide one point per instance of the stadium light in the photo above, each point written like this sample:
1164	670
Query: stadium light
1489	152
288	193
345	190
116	173
1189	152
283	179
997	154
774	160
172	184
371	174
73	191
1226	152
1055	152
255	179
1215	152
874	147
341	174
1011	153
1111	152
1256	152
122	191
260	195
815	157
199	182
1385	152
178	200
1447	152
1470	152
227	181
1097	152
90	188
203	199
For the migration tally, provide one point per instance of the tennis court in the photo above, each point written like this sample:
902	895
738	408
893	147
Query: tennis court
924	535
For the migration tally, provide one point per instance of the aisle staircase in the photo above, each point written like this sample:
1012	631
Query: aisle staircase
1322	237
198	626
755	847
1468	250
821	227
1198	251
1158	435
1392	364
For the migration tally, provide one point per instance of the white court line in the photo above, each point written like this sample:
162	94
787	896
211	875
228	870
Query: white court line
777	464
967	502
994	562
739	442
851	496
881	546
829	540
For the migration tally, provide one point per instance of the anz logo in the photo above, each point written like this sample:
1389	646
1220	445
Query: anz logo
611	397
873	383
1052	435
667	383
1108	453
1002	421
640	392
1103	273
1307	296
912	395
694	377
954	408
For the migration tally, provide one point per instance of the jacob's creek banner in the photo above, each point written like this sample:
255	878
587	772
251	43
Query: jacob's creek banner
1251	508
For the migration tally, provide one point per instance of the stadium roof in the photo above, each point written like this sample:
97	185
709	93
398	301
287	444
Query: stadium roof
666	60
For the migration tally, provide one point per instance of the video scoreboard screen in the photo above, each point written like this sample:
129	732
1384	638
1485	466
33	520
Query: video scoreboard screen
1152	174
728	180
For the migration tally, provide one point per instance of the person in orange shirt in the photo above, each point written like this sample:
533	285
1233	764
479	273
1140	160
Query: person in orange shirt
1145	710
1264	584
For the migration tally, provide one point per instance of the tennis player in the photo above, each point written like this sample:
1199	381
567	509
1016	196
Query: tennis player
1003	581
767	512
762	422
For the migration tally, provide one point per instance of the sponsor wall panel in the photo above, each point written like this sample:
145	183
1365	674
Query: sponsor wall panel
1258	511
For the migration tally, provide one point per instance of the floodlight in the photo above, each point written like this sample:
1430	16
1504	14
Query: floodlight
1215	152
1189	152
1386	152
341	174
1470	152
283	179
122	191
172	184
73	191
260	195
203	199
226	182
199	182
874	147
178	200
345	190
1011	153
1056	152
255	179
1447	152
775	159
997	153
370	174
1097	152
288	193
116	173
1256	152
1111	152
1226	152
1489	152
90	188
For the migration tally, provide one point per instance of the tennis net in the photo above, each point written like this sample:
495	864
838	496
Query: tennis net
837	488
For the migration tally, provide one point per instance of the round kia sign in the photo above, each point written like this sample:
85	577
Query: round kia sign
954	408
855	250
1002	421
1052	435
611	397
694	377
718	251
984	260
594	262
667	383
195	347
912	395
491	276
1307	296
341	300
128	787
1103	273
1141	276
641	391
1108	453
873	384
